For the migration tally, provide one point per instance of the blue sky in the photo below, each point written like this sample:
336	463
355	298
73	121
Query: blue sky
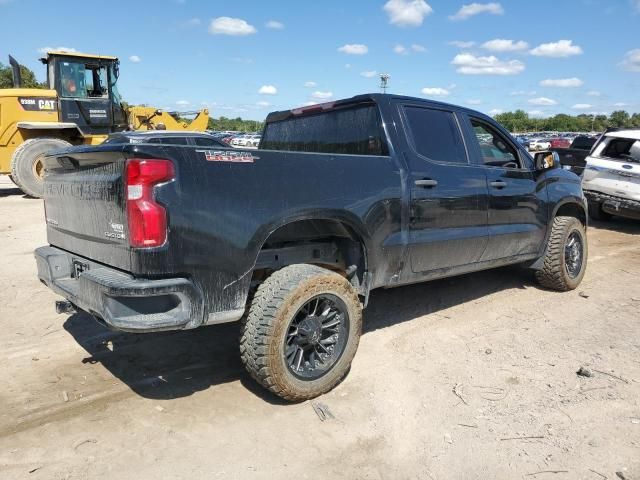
245	58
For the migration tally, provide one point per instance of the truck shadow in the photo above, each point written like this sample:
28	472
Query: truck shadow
618	224
172	365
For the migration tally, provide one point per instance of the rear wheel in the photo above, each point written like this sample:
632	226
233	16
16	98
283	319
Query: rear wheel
565	259
302	331
597	213
27	167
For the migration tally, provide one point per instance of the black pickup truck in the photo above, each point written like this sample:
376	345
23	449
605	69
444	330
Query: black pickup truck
340	198
574	158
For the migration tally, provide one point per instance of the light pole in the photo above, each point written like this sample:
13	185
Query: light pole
384	81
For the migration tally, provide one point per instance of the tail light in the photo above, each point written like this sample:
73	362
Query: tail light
147	219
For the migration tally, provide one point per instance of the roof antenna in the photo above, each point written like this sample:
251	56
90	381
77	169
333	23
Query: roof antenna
384	82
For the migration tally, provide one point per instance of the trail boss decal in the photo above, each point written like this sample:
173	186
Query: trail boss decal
37	104
227	156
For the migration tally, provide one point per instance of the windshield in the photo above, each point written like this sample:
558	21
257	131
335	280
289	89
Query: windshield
81	80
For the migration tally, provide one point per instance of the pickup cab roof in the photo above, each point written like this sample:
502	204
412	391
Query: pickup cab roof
364	98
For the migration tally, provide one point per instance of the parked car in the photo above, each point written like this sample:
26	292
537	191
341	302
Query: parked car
611	179
560	142
293	238
536	144
524	141
166	137
574	157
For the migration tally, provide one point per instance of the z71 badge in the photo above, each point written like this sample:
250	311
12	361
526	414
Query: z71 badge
227	156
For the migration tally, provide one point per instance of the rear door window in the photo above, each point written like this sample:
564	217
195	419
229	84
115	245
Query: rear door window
353	131
169	140
208	142
435	134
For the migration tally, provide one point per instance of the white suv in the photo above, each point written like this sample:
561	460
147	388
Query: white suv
611	179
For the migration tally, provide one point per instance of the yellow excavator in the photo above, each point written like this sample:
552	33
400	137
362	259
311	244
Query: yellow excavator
81	106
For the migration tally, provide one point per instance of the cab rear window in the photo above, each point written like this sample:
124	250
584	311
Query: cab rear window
352	131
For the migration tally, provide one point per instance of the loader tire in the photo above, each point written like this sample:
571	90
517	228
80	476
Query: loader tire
565	260
302	331
27	169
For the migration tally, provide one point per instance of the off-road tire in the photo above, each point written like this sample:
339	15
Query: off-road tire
24	163
597	213
553	274
274	304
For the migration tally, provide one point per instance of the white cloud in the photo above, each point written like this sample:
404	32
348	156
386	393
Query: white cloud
354	49
582	106
502	45
542	101
559	49
369	73
268	90
245	60
435	91
594	93
418	48
322	95
192	22
621	104
310	84
135	59
572	82
44	50
631	61
525	93
274	24
263	104
636	5
183	103
231	26
407	13
495	111
469	64
468	11
400	50
461	44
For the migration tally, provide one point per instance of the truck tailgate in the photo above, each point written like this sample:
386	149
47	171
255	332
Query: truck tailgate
85	204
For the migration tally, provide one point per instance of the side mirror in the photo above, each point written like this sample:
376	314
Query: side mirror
546	160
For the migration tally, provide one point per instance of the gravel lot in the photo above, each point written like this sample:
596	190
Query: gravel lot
471	377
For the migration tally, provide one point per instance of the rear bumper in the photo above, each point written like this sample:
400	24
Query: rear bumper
615	205
121	301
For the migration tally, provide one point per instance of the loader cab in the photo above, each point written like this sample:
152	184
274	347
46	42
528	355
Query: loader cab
87	91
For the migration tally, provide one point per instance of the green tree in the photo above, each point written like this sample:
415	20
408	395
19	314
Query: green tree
28	78
619	118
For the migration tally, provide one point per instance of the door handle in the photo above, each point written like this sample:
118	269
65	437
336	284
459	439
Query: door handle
498	184
426	183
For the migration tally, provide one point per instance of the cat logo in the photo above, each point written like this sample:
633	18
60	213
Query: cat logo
46	104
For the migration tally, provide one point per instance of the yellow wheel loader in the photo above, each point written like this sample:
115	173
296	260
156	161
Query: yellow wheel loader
82	106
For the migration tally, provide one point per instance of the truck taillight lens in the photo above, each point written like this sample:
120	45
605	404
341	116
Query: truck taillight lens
146	218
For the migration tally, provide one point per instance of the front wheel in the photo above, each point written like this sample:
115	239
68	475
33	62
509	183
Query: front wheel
302	331
565	259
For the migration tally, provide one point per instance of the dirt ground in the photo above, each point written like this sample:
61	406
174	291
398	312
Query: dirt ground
465	378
